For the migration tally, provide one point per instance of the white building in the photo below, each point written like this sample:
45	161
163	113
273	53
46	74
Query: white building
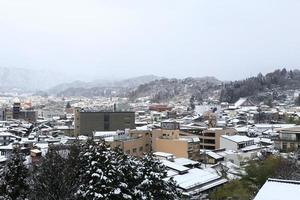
235	142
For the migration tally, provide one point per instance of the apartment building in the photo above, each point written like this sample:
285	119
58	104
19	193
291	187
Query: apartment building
135	142
169	139
209	138
288	139
87	122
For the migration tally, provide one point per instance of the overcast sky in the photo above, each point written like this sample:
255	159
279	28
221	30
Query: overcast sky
103	39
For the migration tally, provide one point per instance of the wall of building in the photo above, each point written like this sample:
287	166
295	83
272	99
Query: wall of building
88	122
138	144
228	144
168	141
174	146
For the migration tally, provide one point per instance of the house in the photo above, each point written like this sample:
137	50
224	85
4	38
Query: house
278	189
243	102
211	157
192	180
235	142
288	139
6	138
198	181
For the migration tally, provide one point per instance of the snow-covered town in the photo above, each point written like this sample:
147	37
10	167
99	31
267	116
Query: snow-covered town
202	147
149	100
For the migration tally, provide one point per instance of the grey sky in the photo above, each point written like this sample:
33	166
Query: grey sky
102	39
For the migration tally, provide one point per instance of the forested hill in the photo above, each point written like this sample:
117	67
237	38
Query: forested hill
277	80
165	89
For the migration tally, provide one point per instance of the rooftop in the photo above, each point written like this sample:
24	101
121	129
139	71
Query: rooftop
237	138
277	189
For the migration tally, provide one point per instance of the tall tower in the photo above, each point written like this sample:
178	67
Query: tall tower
77	111
16	110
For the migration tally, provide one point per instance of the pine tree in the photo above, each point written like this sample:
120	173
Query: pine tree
14	178
155	183
48	177
127	176
98	172
72	170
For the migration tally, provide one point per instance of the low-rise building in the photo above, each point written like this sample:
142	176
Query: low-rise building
168	139
235	142
288	139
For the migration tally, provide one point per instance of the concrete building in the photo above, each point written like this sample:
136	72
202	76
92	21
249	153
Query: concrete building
288	139
235	142
28	115
210	138
135	143
8	114
87	122
168	139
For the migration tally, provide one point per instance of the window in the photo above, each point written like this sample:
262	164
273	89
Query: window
284	146
208	141
209	134
134	150
209	147
128	152
141	149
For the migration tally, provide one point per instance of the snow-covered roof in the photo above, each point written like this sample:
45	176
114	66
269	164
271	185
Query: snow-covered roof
240	102
237	138
104	134
171	173
214	155
2	159
252	148
184	161
163	154
195	177
277	189
174	166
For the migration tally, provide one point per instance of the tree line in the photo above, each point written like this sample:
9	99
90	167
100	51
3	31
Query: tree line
281	79
256	174
87	172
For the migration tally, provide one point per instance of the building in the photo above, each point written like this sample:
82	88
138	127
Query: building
209	138
288	139
160	108
28	115
135	142
87	122
16	110
278	189
169	139
235	142
8	114
2	114
18	113
6	138
243	102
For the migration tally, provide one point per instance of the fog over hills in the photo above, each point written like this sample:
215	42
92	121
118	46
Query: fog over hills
22	79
